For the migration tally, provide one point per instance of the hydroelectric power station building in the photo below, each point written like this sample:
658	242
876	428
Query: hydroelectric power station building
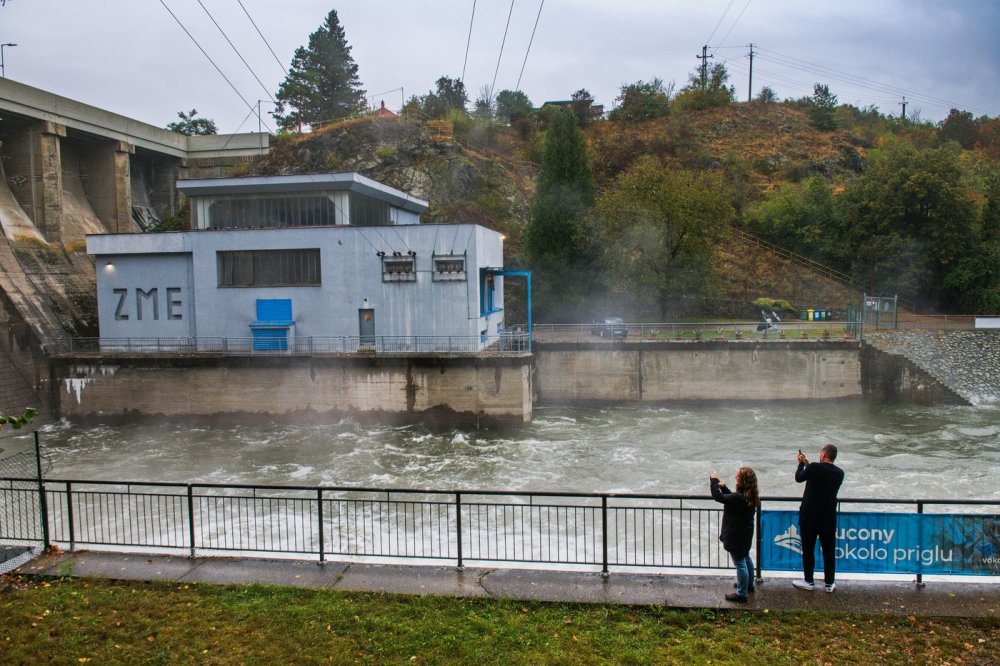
327	262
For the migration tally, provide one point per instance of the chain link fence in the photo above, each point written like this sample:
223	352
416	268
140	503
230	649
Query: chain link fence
19	507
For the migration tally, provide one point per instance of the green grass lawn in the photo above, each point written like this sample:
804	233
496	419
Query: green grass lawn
74	621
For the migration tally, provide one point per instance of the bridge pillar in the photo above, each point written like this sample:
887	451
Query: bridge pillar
107	182
46	176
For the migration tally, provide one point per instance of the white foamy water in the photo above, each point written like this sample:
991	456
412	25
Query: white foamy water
903	451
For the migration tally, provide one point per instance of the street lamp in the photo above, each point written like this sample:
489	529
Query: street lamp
260	138
2	72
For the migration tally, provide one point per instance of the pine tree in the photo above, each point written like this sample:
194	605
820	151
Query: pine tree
565	191
322	83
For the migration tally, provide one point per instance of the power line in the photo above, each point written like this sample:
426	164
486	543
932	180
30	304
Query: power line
538	16
236	51
502	44
736	21
892	92
721	19
796	63
248	104
276	58
469	40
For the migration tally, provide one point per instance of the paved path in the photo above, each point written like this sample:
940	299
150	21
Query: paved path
674	590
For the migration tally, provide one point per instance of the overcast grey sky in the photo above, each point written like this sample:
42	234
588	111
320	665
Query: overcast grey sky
132	57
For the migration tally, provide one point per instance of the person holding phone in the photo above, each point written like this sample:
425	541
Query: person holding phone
737	526
818	515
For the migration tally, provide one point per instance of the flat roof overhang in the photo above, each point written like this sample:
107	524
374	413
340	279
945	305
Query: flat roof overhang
319	182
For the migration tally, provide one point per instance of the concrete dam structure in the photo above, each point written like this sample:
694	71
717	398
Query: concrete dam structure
68	169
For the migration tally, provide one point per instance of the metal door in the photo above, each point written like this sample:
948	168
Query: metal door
366	328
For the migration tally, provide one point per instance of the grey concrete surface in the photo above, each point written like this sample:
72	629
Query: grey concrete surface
673	590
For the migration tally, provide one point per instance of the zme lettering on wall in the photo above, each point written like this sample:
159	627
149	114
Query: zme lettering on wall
146	304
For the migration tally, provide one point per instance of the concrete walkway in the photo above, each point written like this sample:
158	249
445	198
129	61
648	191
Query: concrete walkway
673	590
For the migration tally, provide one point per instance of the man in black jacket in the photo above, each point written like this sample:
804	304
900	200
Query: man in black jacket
818	515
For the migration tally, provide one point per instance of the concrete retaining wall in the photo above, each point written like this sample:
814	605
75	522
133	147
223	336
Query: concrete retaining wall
446	391
665	371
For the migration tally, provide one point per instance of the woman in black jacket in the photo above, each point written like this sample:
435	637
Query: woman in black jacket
737	526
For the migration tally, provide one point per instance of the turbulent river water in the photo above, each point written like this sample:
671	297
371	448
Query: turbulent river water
887	451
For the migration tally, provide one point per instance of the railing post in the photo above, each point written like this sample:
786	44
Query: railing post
69	515
190	499
760	549
920	576
319	502
43	504
604	536
458	528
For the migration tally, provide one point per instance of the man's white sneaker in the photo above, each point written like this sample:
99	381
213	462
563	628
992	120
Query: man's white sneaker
804	585
830	587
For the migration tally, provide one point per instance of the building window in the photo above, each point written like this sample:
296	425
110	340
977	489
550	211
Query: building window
265	211
368	211
399	268
269	268
449	267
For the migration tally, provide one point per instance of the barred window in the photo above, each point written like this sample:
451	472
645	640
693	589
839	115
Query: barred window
399	269
268	268
449	267
279	210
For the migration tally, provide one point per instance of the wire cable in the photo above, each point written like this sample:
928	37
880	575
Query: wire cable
248	104
813	68
736	21
469	40
530	41
276	58
502	43
236	51
721	19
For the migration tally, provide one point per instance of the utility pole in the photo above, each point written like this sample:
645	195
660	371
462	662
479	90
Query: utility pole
704	65
750	85
903	104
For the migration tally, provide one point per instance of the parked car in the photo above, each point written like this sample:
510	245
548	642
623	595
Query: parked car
610	327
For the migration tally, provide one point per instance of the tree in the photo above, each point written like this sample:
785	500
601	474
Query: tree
485	105
822	105
767	96
657	229
960	127
975	280
582	103
193	126
714	93
801	217
512	105
641	101
564	191
448	95
322	83
908	219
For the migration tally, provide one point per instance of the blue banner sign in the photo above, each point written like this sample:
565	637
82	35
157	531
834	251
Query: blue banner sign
890	543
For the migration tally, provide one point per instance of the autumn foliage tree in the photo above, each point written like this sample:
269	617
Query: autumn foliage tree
656	229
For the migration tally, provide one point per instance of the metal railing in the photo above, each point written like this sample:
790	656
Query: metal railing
504	342
791	329
484	526
543	528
